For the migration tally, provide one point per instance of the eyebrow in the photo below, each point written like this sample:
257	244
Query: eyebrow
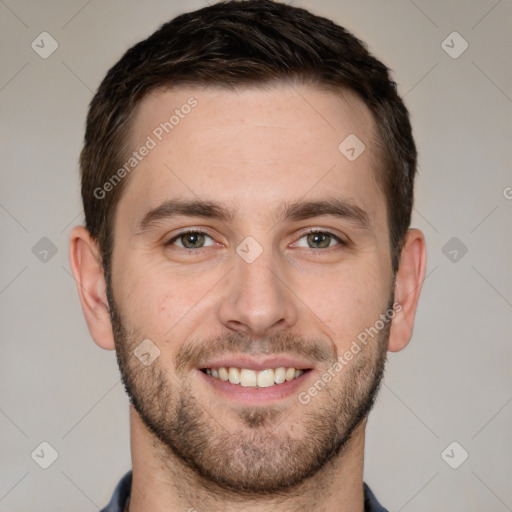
300	210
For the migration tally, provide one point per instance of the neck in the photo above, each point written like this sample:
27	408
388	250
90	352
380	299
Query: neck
161	481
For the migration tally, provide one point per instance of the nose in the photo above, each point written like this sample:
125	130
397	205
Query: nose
257	299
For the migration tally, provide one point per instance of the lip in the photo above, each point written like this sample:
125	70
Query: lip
258	365
254	395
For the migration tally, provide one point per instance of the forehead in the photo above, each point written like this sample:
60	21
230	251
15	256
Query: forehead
251	149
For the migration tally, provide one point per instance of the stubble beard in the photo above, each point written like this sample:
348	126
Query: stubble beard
261	455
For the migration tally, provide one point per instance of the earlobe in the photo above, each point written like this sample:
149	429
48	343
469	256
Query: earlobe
408	283
85	262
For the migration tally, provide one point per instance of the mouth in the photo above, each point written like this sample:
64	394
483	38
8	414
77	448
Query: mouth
248	387
252	380
246	377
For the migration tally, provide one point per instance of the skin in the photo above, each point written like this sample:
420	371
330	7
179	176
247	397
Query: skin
249	150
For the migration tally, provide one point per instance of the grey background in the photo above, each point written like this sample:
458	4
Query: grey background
453	382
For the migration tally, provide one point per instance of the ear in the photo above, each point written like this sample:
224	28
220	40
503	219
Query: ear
408	283
85	262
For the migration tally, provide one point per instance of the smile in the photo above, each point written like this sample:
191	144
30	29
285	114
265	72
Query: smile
250	378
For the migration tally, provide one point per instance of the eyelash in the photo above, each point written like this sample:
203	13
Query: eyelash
340	241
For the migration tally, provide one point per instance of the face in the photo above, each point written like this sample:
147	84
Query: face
215	266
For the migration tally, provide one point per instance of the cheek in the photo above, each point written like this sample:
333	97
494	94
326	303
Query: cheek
348	302
156	303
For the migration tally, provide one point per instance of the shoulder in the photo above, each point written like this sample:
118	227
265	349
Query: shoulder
121	494
371	504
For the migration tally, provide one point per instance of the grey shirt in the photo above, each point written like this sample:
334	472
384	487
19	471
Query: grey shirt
121	497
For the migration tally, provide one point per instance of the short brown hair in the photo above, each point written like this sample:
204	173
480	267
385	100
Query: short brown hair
230	44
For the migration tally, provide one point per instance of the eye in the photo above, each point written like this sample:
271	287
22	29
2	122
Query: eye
191	240
317	239
314	239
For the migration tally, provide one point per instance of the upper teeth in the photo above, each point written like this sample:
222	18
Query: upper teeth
260	379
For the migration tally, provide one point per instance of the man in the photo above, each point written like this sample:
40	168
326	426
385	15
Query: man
247	180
